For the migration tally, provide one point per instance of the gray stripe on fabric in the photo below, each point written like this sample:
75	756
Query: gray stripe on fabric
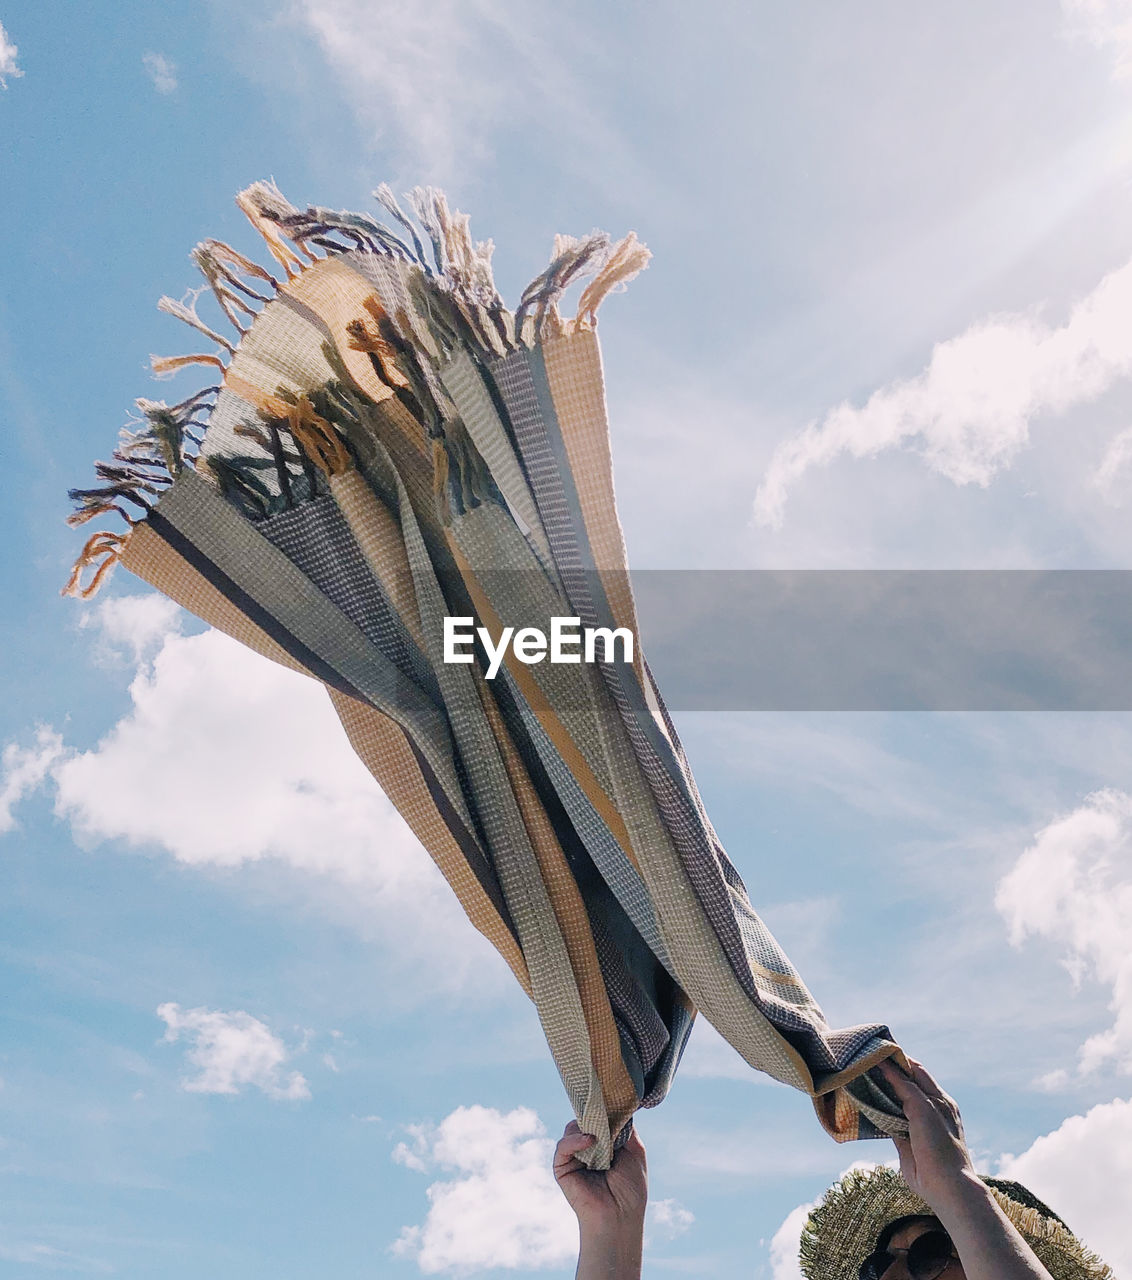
469	393
630	1000
630	1056
306	313
316	537
680	1029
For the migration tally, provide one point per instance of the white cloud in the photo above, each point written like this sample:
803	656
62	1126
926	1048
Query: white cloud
195	767
785	1244
669	1217
1105	23
8	55
500	1207
1083	1170
1113	476
207	720
968	413
25	769
1073	886
414	1154
161	70
232	1050
133	627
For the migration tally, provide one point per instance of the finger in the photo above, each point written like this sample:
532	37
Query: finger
935	1092
916	1105
888	1067
927	1082
902	1085
572	1127
571	1143
904	1151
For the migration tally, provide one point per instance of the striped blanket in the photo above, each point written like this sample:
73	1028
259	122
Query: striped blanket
387	446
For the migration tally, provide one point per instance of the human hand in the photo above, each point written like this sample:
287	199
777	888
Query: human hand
606	1201
934	1160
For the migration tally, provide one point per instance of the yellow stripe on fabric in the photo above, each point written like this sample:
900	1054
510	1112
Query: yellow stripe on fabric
547	717
617	1087
574	375
841	1117
283	350
383	748
337	295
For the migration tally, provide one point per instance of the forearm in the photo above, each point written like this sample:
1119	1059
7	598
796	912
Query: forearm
988	1244
610	1255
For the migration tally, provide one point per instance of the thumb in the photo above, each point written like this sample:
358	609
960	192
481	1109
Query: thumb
903	1147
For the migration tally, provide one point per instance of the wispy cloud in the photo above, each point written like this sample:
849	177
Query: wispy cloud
968	413
1113	476
669	1218
440	85
231	1051
427	80
161	70
25	769
499	1206
38	1254
1073	886
1105	23
8	54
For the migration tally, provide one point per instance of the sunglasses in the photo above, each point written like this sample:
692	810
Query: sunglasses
926	1258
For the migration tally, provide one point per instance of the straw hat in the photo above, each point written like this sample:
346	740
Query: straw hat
841	1232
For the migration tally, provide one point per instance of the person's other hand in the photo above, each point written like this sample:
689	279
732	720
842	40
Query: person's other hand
934	1160
610	1200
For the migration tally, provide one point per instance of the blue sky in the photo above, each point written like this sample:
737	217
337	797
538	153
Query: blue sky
246	1030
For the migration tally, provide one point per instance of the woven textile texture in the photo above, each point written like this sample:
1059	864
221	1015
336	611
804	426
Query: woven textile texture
385	446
